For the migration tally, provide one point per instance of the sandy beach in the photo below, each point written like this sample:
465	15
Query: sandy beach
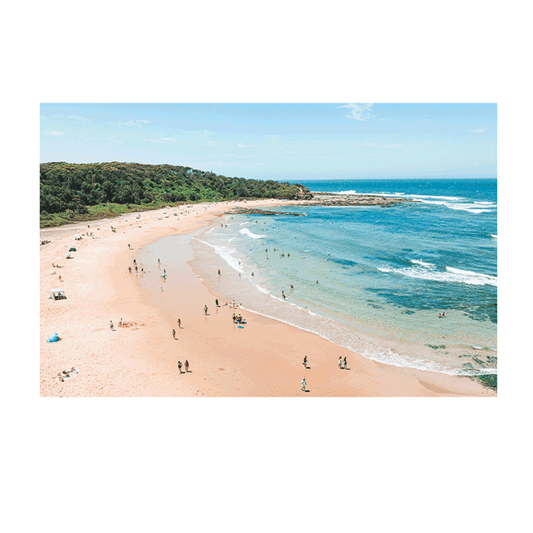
140	356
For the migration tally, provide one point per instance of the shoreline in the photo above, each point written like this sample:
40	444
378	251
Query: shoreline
140	358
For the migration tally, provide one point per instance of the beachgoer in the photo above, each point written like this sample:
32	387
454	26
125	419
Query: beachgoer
340	362
121	323
186	366
205	309
111	324
179	323
219	271
305	361
216	302
303	384
173	333
345	364
134	262
292	287
136	268
129	268
60	277
179	366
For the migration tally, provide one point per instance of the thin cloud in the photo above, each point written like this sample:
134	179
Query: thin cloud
360	112
240	145
367	144
208	143
49	132
77	117
162	140
479	130
393	145
131	123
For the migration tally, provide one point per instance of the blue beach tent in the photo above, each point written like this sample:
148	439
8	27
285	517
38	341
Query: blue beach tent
53	338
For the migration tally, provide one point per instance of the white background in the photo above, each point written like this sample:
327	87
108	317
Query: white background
32	95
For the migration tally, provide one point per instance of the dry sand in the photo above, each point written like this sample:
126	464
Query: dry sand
140	358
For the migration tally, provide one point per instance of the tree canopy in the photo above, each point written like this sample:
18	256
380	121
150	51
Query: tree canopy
74	187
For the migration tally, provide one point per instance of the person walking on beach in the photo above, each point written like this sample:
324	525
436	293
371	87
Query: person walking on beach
111	325
305	361
205	310
340	362
179	366
303	384
186	366
129	268
179	323
174	334
345	364
216	302
219	271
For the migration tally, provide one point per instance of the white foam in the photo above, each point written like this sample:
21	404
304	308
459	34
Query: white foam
473	278
422	263
495	236
433	196
246	231
451	275
225	253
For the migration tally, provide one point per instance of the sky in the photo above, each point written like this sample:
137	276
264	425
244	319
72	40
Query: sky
278	141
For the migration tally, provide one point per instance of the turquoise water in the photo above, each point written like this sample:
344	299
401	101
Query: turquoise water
384	274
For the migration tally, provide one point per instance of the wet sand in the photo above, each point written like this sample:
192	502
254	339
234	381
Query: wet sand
264	358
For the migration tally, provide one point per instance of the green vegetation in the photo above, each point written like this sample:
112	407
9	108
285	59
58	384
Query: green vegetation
71	192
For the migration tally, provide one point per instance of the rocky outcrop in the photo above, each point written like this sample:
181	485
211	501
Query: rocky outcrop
332	199
303	194
255	211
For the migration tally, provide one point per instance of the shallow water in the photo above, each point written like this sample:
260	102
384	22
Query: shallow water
384	274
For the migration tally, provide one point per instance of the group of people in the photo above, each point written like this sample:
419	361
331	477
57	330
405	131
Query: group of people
65	374
343	364
237	319
186	366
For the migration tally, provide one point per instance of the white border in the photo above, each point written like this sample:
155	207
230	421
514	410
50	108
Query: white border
32	95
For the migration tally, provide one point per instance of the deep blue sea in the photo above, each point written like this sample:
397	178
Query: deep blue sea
384	273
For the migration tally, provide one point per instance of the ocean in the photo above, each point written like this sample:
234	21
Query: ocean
372	279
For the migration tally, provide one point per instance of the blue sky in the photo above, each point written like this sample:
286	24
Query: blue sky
278	141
